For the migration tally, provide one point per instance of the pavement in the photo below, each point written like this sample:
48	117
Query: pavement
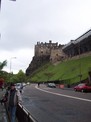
3	114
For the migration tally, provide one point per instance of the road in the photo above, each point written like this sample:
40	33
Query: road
57	105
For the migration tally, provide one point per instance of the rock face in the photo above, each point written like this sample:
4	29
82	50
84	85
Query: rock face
37	61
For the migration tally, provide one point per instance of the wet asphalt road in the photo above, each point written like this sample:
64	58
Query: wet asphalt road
58	105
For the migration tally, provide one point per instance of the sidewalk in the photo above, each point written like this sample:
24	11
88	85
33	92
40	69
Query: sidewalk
3	114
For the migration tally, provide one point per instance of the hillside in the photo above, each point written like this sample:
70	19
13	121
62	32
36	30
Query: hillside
67	71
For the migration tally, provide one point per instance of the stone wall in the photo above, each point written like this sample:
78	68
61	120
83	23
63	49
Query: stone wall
57	55
52	49
44	48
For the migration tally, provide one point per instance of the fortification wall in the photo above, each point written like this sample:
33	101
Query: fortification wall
57	55
45	48
52	49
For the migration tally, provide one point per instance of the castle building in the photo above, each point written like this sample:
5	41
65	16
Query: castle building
52	49
53	52
44	48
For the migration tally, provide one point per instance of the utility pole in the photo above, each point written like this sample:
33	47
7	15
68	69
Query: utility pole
11	72
11	63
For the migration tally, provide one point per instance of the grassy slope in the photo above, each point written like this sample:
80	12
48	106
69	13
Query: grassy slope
68	71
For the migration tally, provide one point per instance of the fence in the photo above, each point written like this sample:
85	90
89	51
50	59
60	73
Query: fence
22	114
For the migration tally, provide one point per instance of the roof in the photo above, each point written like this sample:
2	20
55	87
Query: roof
79	39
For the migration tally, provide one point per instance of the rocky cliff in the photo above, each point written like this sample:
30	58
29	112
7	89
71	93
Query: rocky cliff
36	62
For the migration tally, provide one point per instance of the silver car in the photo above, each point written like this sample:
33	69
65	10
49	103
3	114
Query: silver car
52	85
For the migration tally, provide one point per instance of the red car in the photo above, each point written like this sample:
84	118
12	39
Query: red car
83	87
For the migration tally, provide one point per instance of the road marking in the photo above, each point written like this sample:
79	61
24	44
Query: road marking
63	95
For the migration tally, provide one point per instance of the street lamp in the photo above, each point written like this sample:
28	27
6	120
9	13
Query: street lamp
11	62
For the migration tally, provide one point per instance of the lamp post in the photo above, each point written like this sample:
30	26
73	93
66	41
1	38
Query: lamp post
11	62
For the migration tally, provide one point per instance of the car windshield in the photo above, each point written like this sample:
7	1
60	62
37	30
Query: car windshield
81	84
18	84
51	84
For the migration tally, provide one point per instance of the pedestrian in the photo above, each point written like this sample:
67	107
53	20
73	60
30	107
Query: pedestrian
38	84
13	98
21	88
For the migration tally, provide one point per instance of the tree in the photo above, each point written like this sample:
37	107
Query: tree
21	76
3	74
2	65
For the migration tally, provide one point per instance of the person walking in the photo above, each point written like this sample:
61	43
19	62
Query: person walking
13	98
38	84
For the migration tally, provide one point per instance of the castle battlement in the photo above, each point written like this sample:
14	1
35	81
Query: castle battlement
50	44
48	49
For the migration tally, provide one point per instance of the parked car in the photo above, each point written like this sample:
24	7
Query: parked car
83	87
28	83
24	84
52	85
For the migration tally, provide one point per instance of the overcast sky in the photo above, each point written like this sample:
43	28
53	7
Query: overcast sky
24	22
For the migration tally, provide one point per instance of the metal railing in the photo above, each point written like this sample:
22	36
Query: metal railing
23	115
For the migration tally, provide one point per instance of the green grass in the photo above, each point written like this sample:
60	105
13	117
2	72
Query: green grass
68	71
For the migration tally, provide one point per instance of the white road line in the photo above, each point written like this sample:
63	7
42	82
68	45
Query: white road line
78	98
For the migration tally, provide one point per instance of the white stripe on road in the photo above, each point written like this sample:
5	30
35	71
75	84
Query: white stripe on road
78	98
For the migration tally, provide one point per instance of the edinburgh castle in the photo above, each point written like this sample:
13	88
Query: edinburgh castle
54	52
